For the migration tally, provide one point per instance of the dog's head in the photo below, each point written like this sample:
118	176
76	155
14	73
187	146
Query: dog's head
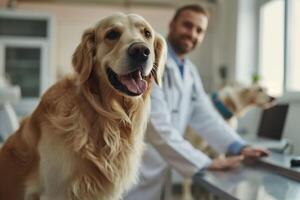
259	96
238	98
244	96
124	52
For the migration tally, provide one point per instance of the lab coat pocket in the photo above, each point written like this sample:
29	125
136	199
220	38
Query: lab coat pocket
175	101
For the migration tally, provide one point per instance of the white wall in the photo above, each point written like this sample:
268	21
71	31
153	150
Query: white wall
219	47
247	41
225	39
204	55
236	40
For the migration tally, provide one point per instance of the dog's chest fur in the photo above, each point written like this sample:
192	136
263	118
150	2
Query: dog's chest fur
87	162
64	175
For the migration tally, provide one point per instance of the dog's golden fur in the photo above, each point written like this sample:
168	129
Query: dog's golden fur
85	139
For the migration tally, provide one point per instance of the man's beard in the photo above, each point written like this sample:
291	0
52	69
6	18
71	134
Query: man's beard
178	47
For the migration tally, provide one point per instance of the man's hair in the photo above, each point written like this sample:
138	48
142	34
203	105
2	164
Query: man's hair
193	7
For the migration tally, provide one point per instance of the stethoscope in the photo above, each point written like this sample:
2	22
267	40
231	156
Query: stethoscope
171	86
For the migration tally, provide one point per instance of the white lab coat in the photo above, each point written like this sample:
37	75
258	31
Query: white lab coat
181	101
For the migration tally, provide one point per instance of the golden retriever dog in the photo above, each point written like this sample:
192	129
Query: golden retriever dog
235	100
84	141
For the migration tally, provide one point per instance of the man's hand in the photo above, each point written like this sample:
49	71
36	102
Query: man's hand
225	163
251	152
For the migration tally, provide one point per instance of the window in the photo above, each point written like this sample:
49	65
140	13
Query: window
25	55
271	60
279	50
22	66
23	27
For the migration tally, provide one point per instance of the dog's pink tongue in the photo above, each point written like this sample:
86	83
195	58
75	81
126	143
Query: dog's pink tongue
134	82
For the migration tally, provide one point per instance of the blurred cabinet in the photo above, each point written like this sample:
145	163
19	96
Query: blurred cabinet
25	54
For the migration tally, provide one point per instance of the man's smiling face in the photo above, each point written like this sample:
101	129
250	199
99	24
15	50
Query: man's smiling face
187	30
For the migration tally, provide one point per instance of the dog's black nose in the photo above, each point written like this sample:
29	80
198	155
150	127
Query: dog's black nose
138	52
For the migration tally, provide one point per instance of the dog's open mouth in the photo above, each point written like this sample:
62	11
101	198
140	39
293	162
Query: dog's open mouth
132	84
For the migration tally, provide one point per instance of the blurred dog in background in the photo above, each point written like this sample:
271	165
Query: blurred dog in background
235	100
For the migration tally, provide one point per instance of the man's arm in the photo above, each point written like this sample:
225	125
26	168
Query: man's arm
212	127
208	123
178	152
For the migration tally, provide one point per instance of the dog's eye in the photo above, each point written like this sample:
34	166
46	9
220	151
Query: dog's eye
147	33
113	35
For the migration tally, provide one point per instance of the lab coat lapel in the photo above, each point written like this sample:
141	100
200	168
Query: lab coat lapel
174	72
187	76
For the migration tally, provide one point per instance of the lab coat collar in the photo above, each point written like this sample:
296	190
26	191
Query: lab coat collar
172	68
172	54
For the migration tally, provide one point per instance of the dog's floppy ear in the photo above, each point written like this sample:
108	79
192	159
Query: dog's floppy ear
84	54
160	49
